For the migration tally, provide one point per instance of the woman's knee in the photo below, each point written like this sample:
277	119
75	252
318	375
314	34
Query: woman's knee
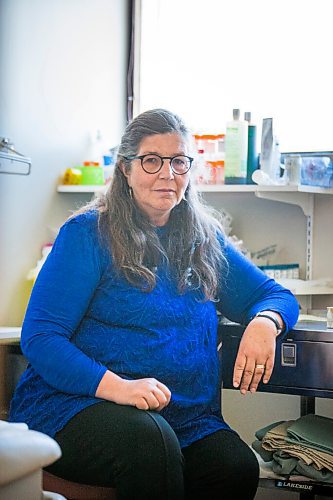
148	454
132	438
149	429
138	429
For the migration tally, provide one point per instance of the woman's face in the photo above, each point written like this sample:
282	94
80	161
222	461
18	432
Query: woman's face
157	194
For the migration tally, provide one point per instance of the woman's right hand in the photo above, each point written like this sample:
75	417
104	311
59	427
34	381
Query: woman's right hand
144	393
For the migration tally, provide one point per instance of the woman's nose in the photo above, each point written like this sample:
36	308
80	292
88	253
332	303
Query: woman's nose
166	170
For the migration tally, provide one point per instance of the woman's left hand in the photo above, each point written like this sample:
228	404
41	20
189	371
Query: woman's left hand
256	353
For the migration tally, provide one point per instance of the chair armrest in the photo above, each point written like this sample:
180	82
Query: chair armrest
23	451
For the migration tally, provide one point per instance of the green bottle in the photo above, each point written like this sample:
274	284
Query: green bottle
236	139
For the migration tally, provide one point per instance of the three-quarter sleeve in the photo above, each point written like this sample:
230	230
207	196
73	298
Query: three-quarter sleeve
246	290
64	288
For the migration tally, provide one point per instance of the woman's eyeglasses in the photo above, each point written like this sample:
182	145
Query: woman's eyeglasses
152	163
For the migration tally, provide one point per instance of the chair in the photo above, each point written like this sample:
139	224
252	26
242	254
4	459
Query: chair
23	454
76	491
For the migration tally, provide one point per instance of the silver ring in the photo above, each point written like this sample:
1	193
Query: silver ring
260	366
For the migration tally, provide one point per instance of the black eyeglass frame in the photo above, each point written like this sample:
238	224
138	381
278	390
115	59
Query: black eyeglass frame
162	158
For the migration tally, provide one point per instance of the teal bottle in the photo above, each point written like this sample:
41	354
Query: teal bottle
252	155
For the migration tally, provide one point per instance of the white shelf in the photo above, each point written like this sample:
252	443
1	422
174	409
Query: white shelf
225	188
80	188
10	334
213	188
254	188
314	189
310	287
217	188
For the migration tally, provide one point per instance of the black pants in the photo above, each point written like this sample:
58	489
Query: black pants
138	452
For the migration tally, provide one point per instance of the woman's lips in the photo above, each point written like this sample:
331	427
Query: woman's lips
168	193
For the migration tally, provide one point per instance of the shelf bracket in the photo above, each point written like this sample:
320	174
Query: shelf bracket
309	238
306	202
303	200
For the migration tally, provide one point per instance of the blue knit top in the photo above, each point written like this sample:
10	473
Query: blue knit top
84	318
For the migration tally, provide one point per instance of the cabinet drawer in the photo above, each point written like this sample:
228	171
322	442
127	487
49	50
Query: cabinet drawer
303	361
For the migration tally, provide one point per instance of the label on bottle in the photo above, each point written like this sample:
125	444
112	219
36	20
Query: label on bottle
236	144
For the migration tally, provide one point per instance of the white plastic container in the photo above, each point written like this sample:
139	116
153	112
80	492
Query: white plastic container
270	156
330	317
292	164
202	172
236	145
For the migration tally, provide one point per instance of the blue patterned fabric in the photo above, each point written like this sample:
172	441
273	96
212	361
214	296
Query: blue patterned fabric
83	318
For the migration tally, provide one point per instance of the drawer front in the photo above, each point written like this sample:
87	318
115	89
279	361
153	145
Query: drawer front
301	367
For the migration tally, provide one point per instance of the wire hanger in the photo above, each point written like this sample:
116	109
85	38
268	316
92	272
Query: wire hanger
10	158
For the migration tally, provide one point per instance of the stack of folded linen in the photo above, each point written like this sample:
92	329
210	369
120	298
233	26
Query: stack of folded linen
303	446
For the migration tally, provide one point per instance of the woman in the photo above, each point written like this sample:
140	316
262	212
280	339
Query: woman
121	332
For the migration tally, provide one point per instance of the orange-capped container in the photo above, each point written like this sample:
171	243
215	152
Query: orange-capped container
216	171
92	173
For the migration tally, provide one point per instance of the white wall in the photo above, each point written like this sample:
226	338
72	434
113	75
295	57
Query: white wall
63	74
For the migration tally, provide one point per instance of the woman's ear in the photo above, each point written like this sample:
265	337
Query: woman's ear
126	173
121	167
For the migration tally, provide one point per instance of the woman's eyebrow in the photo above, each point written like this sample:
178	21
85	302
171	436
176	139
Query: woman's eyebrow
179	153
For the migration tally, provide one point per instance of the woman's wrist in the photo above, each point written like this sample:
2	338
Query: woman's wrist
109	386
274	318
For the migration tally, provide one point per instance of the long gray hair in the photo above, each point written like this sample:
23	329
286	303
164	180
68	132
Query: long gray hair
191	248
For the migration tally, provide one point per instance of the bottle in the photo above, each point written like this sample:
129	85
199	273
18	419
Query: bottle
236	138
266	156
108	166
202	173
276	166
270	157
252	155
92	173
72	176
330	317
293	165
